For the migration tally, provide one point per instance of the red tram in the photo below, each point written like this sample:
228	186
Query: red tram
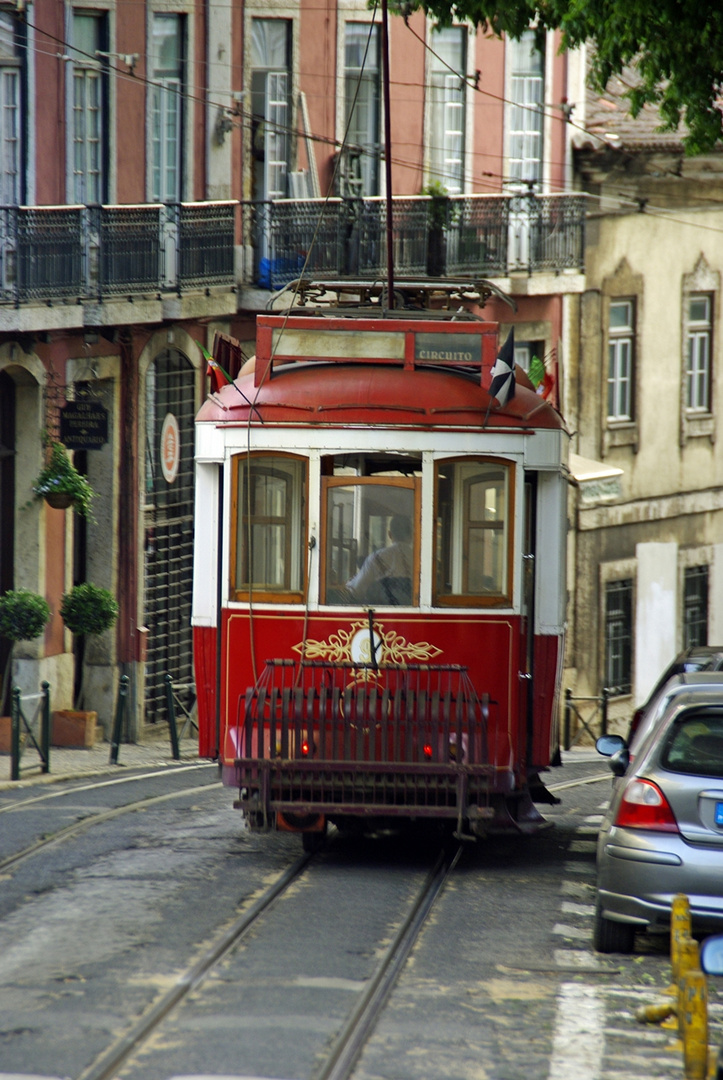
379	582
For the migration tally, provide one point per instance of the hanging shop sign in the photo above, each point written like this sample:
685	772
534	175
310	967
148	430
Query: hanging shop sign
83	425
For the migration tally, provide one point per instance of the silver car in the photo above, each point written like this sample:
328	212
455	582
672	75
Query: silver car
702	682
663	832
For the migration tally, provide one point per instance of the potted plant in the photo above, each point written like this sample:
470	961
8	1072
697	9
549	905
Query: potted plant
23	617
439	217
86	610
61	485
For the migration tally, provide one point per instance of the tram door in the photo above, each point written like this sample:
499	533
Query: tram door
168	525
528	612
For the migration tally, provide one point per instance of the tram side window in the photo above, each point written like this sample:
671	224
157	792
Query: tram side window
473	532
268	527
371	541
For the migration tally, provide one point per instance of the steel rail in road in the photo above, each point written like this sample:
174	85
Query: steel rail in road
360	1024
78	827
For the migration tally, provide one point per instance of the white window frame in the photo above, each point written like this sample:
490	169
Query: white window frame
699	342
368	105
167	120
11	127
447	124
621	360
87	116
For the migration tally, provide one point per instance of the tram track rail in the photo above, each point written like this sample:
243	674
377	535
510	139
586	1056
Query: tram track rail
68	832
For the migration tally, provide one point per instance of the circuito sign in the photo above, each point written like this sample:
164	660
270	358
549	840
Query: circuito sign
170	448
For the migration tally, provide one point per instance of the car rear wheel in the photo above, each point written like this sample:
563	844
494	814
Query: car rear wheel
612	937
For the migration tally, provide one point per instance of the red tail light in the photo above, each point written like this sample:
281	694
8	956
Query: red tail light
643	806
427	750
305	748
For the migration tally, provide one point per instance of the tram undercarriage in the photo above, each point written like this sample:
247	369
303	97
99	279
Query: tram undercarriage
371	747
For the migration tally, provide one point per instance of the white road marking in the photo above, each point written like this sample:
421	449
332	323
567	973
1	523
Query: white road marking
577	1047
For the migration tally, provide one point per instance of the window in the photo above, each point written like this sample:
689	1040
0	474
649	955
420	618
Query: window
473	532
166	99
621	330
526	351
695	745
10	114
526	80
699	352
269	527
270	87
695	606
449	60
618	635
362	109
371	542
88	109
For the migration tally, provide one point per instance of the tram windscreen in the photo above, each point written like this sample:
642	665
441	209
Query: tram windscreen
371	549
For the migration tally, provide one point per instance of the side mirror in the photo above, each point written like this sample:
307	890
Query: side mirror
711	955
607	745
619	762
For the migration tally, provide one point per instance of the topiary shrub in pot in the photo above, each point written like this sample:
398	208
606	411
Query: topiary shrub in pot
23	617
86	610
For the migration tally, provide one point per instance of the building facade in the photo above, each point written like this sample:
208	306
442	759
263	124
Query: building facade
643	398
165	168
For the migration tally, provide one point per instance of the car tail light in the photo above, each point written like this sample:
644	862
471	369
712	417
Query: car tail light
635	723
643	806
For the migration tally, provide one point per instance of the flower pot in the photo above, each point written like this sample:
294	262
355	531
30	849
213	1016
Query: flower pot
59	500
5	734
73	728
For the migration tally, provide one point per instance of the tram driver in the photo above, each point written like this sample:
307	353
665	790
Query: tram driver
385	576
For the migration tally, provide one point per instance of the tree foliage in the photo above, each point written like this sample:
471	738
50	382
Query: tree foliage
674	46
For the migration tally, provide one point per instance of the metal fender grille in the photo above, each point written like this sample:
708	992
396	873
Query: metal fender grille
345	738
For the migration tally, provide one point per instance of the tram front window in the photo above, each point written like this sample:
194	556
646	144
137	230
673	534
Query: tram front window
371	542
268	536
473	501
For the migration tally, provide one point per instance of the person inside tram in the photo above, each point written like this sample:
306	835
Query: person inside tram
385	576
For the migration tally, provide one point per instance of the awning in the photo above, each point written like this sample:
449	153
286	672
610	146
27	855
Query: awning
597	481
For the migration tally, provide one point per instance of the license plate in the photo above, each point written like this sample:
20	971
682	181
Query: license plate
719	813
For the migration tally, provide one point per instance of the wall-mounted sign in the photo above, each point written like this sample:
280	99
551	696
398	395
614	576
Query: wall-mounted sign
84	425
170	448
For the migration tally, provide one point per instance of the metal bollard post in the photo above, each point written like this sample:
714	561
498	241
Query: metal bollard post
171	717
681	926
604	711
694	1025
45	728
688	963
118	723
15	734
566	724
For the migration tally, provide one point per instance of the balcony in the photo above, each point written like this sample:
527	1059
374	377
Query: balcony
66	254
89	255
489	236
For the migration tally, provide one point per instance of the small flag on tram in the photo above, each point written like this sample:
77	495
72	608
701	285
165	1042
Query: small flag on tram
218	375
502	387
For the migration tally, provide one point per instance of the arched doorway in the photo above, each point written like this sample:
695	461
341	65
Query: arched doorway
168	526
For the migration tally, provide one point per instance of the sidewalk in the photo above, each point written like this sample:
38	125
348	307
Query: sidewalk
156	753
66	764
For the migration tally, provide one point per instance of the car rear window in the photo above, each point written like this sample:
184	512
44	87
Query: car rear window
695	744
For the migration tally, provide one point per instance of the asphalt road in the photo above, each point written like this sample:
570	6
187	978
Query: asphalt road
502	983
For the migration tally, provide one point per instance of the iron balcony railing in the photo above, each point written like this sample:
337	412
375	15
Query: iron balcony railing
470	235
63	253
90	252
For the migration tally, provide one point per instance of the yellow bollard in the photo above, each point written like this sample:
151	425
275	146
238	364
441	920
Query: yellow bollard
680	926
694	1025
688	961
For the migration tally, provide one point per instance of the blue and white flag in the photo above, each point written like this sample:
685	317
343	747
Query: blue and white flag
502	387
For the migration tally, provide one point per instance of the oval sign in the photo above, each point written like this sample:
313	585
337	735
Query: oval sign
170	448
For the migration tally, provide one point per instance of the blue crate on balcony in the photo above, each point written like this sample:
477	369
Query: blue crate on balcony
275	272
